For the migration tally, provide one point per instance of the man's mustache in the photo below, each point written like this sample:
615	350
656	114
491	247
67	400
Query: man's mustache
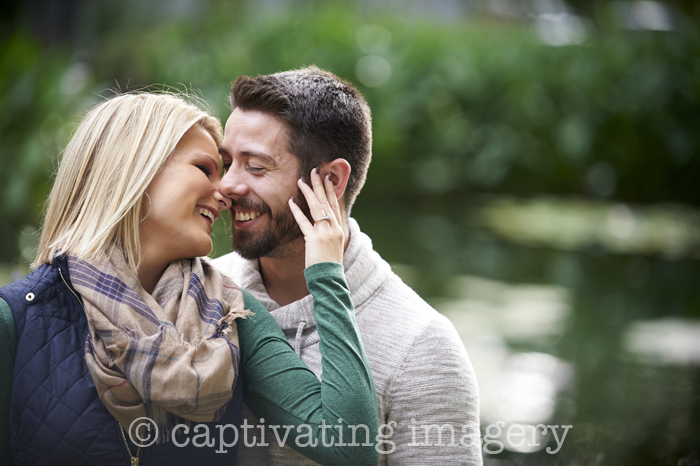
251	205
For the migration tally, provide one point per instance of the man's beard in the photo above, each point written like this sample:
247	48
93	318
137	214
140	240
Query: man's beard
281	230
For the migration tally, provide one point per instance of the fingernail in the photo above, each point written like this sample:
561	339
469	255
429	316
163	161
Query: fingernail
329	177
318	170
302	179
293	200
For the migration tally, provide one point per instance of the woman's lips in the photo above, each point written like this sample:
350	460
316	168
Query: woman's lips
208	214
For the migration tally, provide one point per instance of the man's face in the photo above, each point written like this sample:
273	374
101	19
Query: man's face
262	177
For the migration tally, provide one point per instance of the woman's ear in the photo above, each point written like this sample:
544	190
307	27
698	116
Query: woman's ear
339	171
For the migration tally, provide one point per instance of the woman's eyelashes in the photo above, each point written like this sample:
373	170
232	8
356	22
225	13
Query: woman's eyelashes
210	168
207	171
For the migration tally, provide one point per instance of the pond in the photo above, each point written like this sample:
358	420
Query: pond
573	312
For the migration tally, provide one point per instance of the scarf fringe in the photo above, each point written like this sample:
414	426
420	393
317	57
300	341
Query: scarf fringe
225	325
165	429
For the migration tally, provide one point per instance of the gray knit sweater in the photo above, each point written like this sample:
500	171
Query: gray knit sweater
424	380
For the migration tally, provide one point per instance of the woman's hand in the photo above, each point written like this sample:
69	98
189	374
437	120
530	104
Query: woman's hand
325	240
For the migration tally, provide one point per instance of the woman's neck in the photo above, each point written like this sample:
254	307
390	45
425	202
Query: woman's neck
149	273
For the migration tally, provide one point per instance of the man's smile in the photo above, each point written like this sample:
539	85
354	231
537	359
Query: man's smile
245	218
248	215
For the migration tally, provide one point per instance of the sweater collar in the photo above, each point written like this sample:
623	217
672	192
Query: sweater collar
365	273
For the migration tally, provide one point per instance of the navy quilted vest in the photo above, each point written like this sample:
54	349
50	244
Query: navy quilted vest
56	416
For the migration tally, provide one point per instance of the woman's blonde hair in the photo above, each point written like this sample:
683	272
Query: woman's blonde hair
121	144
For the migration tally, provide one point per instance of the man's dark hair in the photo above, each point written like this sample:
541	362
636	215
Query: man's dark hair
327	118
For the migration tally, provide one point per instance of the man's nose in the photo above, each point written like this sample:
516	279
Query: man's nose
232	184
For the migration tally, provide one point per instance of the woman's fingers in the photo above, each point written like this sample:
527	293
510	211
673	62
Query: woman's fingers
332	199
311	198
319	189
324	238
316	196
320	192
304	225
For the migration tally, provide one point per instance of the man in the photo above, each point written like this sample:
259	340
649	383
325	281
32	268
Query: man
283	126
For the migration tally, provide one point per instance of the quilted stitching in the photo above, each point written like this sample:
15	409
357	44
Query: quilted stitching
56	415
61	415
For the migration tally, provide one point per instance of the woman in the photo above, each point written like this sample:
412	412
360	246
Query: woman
123	332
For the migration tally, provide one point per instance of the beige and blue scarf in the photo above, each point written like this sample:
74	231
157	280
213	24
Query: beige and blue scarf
167	355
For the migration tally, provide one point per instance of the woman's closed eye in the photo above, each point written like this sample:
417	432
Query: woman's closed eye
205	169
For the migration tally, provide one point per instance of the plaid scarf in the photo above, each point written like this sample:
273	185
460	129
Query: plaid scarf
170	355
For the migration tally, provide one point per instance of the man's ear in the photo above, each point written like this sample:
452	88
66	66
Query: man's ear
339	170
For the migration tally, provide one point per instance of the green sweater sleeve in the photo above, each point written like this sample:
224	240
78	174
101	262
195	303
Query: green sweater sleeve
278	387
7	364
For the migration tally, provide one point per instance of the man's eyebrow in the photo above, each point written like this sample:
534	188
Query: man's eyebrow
260	155
250	153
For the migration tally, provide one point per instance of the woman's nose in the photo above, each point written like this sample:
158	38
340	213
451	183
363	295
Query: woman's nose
223	202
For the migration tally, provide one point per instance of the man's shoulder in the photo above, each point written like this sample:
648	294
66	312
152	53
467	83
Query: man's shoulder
398	301
396	312
412	348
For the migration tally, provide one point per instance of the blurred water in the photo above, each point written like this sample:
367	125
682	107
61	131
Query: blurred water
572	314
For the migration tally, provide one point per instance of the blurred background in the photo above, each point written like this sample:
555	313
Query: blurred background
535	177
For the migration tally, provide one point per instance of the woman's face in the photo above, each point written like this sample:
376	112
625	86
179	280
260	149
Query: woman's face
185	201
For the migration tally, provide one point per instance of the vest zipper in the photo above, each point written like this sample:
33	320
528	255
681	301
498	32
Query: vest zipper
134	459
75	295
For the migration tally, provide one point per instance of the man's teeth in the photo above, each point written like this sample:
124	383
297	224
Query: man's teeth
242	217
206	213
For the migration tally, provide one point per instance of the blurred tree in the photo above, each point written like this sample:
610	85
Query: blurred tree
460	107
592	8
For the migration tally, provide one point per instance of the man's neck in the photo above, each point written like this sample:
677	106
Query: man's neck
283	276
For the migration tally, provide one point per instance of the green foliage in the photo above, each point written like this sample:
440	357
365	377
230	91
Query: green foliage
35	119
469	106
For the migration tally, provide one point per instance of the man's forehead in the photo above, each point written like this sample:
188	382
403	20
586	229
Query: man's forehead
251	133
254	119
254	128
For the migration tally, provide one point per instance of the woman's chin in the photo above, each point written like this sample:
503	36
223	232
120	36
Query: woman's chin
210	247
201	249
204	249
